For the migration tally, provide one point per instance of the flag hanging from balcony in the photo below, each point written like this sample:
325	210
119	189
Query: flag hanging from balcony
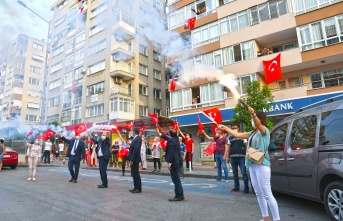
82	5
189	23
214	115
272	69
80	128
173	84
201	126
154	118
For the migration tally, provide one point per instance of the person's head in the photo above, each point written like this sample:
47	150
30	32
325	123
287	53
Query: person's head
198	96
136	130
235	127
2	141
129	141
104	135
116	143
157	139
262	117
188	136
172	133
180	139
219	133
77	136
36	141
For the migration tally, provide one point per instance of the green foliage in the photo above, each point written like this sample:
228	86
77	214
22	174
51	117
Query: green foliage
55	123
257	98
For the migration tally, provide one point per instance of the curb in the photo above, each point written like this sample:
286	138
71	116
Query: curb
39	165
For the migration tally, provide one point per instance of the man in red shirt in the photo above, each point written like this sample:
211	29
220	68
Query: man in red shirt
189	142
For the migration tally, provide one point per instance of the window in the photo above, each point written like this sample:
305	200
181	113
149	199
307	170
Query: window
303	6
96	88
211	92
98	10
66	99
243	83
37	58
57	37
33	105
331	128
60	20
158	111
69	60
34	81
239	52
72	13
143	111
31	118
20	65
37	46
79	55
55	101
77	114
78	73
97	67
8	81
290	82
57	50
156	56
96	29
205	34
66	116
157	74
157	94
278	138
143	50
121	104
181	100
62	4
284	47
95	110
327	78
143	69
303	133
70	43
35	69
143	90
53	118
56	67
156	5
67	80
71	27
321	33
80	37
99	46
55	84
33	93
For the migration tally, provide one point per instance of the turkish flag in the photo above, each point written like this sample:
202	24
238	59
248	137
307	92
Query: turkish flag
173	84
162	131
80	128
272	69
143	128
128	126
163	143
189	23
39	137
210	148
214	129
175	125
201	126
154	118
49	133
123	153
29	133
114	128
214	114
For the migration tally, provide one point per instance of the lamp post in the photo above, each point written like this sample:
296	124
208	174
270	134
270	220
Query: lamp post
43	100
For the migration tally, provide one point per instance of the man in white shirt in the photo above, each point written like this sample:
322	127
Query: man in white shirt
47	151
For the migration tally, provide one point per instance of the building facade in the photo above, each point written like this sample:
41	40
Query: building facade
22	63
102	67
231	35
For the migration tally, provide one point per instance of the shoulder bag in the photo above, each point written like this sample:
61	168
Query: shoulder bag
254	155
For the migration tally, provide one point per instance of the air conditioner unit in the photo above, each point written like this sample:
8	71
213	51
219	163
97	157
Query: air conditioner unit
118	80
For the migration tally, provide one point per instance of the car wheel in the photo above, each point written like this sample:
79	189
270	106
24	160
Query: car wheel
13	167
333	200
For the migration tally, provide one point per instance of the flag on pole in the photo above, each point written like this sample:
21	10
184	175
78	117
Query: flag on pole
214	115
201	126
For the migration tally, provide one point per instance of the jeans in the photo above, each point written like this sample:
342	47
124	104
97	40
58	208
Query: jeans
235	162
221	163
260	179
157	161
175	175
47	156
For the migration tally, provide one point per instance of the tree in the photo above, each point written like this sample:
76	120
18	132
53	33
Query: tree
257	98
55	123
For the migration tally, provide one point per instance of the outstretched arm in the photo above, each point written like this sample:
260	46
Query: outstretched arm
182	135
208	137
234	133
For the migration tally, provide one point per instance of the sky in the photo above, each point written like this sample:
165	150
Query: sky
15	19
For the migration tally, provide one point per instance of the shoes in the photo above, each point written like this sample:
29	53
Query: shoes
154	171
143	168
218	180
245	191
131	190
72	179
102	186
158	171
215	167
136	191
123	174
226	181
75	181
174	199
29	178
34	179
234	190
182	197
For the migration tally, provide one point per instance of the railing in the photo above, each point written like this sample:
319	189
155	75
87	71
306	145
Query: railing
124	47
77	100
198	105
122	16
121	90
66	104
65	119
122	68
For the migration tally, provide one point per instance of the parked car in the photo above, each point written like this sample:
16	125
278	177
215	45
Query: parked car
306	154
10	158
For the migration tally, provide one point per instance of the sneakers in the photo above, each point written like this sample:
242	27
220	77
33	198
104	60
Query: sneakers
29	178
226	181
34	179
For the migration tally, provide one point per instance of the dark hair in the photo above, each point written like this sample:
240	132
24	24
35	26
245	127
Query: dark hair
136	130
190	135
2	141
173	133
263	117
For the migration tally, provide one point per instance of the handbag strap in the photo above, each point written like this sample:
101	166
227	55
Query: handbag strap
252	136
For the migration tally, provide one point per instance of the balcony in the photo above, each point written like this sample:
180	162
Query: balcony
121	91
66	104
77	100
123	27
122	71
191	107
122	52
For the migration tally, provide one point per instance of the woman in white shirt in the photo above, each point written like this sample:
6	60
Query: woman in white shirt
34	152
156	153
47	150
60	149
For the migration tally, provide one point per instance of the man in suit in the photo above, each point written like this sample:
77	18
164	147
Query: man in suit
173	158
103	152
76	152
135	159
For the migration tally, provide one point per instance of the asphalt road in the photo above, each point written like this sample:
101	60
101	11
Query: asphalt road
52	197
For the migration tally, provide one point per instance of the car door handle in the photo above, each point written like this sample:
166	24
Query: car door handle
290	159
281	159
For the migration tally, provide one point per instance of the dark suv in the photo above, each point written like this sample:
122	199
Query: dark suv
306	154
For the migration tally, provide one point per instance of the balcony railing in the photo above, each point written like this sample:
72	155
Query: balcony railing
121	91
122	16
77	100
122	68
124	47
66	104
198	105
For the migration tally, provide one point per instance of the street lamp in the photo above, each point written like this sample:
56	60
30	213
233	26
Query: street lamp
42	114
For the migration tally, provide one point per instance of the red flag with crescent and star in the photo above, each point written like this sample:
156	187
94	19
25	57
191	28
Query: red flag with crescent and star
175	125
209	150
154	118
29	133
128	126
272	69
214	115
80	128
201	126
142	128
173	84
49	133
163	143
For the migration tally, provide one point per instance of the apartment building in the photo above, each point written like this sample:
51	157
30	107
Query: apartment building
21	79
229	35
102	67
